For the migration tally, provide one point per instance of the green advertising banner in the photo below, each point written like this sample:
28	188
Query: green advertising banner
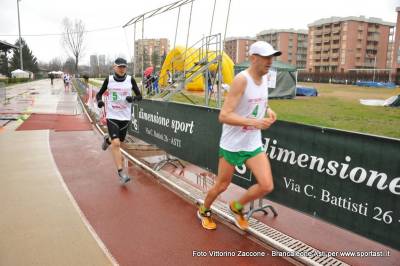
349	179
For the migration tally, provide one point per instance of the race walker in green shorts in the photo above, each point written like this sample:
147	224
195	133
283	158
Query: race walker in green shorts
243	118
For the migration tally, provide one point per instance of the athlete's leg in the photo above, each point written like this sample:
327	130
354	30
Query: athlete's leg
225	172
116	152
261	169
113	133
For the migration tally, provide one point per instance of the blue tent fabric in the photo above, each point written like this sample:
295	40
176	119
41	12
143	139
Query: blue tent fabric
389	85
306	91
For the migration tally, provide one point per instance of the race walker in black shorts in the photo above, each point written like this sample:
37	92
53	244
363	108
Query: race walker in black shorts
118	110
117	129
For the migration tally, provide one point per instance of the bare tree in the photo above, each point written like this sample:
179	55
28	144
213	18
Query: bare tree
55	64
73	38
69	65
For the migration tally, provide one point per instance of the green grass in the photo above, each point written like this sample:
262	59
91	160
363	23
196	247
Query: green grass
337	106
96	83
335	113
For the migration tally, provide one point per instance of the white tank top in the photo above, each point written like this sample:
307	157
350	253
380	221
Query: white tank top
117	106
252	104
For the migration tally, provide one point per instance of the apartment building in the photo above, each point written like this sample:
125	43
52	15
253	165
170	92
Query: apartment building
238	48
339	44
292	43
152	50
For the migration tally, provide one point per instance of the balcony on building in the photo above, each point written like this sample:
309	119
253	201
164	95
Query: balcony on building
372	47
326	31
326	48
369	64
318	32
325	56
373	38
317	48
335	55
372	29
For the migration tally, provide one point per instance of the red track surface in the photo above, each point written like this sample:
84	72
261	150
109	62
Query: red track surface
143	223
56	122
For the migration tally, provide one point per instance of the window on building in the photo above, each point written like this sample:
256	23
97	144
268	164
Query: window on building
398	56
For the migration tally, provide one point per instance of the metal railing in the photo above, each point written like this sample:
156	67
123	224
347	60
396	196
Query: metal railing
196	62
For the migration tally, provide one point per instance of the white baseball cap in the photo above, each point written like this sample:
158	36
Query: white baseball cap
264	49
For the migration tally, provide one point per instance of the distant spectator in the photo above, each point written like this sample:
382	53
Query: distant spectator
51	78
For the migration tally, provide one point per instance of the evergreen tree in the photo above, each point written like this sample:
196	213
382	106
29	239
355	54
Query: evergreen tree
29	60
4	64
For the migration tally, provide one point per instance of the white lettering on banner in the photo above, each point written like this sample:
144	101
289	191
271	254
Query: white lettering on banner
357	174
306	191
177	126
182	126
154	118
332	165
289	183
303	158
327	197
171	140
135	125
344	203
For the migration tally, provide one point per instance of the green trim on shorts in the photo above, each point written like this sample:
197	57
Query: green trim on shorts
238	158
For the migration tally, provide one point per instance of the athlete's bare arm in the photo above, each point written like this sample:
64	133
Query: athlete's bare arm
228	115
271	115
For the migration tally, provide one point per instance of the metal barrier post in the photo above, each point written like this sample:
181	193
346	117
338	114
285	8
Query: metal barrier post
260	208
168	160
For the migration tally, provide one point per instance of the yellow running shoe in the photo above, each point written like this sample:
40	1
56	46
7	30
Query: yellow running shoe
205	217
240	220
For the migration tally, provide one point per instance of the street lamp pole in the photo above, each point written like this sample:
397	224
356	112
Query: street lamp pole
20	39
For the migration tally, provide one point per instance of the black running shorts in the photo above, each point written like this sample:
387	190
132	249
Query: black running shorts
117	128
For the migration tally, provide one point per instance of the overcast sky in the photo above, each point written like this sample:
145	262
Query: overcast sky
247	18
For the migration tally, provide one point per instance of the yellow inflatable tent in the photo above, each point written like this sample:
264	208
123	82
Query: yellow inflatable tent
174	63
